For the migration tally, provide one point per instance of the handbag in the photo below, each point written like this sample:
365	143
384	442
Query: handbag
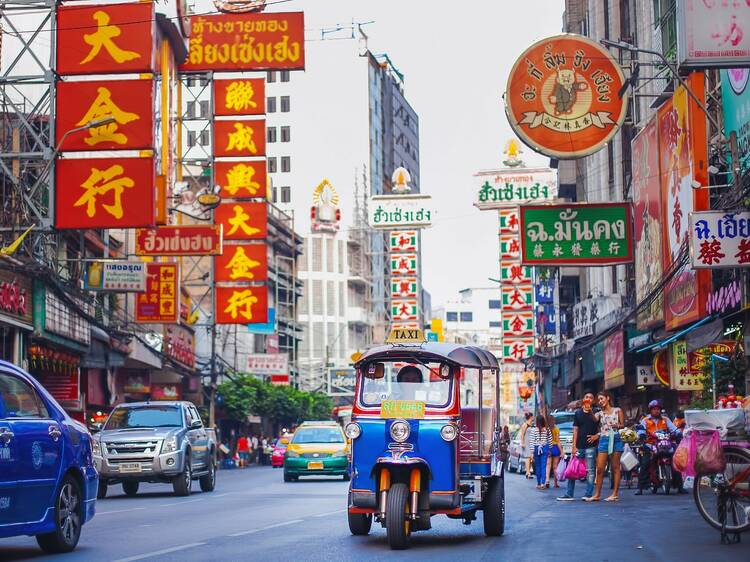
560	470
576	469
628	460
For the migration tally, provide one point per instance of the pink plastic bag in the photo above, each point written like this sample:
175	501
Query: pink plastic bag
560	470
684	456
709	455
576	469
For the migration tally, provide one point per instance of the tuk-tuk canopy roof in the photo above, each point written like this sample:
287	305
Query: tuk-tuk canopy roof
461	355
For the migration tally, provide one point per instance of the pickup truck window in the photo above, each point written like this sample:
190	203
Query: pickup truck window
19	400
144	417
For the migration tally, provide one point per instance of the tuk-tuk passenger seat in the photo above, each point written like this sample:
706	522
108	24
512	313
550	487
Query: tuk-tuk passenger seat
469	428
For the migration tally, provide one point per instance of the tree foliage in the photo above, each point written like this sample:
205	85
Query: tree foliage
727	372
246	395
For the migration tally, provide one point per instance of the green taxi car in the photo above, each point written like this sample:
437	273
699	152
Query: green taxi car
317	449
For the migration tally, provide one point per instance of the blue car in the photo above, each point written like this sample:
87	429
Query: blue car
48	482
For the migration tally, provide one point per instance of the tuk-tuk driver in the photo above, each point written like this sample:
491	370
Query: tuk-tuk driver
409	373
410	381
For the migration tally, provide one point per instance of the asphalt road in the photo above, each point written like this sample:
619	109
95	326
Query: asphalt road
253	515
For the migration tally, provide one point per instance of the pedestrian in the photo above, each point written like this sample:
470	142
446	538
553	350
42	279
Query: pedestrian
585	438
525	442
555	451
263	452
504	444
243	450
541	440
254	448
611	420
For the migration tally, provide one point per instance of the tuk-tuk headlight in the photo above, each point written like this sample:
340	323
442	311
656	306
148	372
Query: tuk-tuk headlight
449	432
352	430
400	431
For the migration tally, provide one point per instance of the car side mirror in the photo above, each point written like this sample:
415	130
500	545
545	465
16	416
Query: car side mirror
95	428
196	424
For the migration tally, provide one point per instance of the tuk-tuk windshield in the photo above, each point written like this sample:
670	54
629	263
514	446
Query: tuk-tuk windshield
430	383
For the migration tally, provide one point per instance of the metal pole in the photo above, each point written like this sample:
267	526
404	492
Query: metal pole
713	378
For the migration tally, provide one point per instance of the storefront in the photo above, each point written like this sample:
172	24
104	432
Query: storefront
16	316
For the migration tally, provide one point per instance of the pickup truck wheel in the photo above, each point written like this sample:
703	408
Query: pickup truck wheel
208	481
101	492
68	519
182	483
130	487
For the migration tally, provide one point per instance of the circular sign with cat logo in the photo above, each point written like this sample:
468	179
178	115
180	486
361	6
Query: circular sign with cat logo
563	96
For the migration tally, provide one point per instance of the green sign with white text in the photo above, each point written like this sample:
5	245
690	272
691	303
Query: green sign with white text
576	234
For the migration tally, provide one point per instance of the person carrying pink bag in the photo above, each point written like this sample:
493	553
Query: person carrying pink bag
585	438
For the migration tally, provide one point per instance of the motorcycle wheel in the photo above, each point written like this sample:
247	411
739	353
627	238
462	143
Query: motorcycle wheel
666	481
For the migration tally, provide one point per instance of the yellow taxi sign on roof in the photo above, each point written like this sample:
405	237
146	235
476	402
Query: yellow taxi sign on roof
406	335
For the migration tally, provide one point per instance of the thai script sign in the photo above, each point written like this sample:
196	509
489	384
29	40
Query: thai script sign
15	296
645	376
726	298
680	376
719	239
400	211
735	96
250	41
513	187
406	409
614	360
563	96
187	240
105	39
242	180
129	103
713	33
160	303
242	262
341	382
104	192
403	241
242	96
179	344
241	305
119	276
268	363
648	208
587	234
242	221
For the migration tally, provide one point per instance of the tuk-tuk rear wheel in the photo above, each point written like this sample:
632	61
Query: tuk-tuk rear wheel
494	508
397	523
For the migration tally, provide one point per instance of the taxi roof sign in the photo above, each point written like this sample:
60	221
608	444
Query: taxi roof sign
406	335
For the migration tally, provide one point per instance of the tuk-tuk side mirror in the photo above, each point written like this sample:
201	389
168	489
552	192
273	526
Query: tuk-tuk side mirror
375	371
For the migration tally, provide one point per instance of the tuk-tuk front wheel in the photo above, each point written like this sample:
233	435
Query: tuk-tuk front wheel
397	522
494	508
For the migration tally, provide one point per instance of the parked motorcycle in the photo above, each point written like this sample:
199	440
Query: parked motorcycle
663	451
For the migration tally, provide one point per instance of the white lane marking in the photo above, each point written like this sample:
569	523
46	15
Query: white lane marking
160	552
251	531
329	513
119	510
178	503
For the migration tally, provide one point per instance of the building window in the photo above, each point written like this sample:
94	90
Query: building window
286	164
467	317
284	76
286	134
270	105
204	139
317	297
495	304
496	324
272	165
286	194
665	22
285	104
317	254
271	77
271	134
275	196
190	110
205	111
451	316
192	138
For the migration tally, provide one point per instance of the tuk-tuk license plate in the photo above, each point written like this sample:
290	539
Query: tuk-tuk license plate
315	466
130	467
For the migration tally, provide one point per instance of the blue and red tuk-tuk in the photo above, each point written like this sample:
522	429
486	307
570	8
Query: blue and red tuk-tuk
425	438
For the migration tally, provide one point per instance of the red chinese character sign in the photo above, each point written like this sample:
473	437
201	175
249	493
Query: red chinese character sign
246	96
243	221
241	305
242	262
403	241
104	192
160	303
129	103
105	39
240	138
562	97
242	180
247	42
404	288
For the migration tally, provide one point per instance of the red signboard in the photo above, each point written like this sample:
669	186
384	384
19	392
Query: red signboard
243	96
242	221
614	360
104	192
242	262
179	344
253	41
240	137
160	303
129	102
105	39
186	240
242	180
241	305
166	391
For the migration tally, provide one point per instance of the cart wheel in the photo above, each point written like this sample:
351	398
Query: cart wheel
397	525
494	508
359	523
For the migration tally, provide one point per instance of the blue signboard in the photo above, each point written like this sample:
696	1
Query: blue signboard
735	96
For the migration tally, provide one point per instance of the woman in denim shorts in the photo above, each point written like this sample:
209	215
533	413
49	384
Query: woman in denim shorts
611	420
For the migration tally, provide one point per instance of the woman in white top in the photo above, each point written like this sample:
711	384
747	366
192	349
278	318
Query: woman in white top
541	441
611	420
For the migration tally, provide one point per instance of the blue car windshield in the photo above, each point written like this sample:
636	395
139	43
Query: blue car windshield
430	383
144	417
318	435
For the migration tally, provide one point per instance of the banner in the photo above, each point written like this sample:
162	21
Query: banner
119	276
614	360
247	179
719	239
251	41
179	344
735	96
268	364
713	33
578	234
562	97
242	221
516	186
241	305
242	262
185	240
160	303
242	96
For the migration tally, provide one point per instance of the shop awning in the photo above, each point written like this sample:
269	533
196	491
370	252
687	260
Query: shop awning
673	337
141	357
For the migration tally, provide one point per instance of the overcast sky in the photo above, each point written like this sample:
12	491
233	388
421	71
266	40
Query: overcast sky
456	62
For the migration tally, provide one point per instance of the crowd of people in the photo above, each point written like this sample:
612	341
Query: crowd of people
249	449
597	442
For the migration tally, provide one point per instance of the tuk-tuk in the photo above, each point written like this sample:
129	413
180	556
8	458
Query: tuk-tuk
425	438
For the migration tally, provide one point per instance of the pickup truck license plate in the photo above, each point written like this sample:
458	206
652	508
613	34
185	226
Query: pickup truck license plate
315	466
130	467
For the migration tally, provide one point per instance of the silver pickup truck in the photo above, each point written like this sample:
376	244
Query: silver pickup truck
155	442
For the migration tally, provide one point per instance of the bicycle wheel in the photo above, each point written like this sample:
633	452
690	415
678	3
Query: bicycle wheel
723	500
